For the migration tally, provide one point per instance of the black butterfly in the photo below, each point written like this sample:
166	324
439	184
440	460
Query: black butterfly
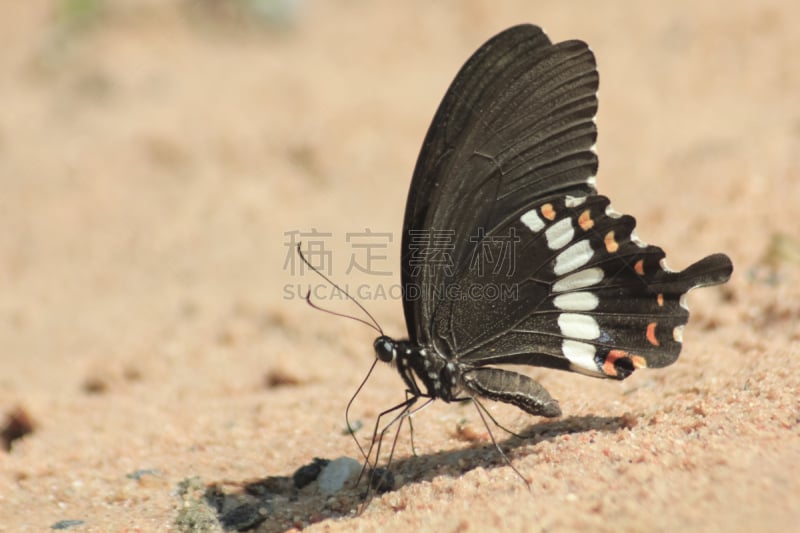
507	171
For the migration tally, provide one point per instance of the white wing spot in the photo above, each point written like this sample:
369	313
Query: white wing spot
682	301
574	201
637	241
663	263
579	280
578	326
611	212
581	357
576	301
677	333
533	221
573	257
559	234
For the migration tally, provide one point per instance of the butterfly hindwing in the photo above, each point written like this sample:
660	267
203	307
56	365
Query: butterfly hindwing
591	296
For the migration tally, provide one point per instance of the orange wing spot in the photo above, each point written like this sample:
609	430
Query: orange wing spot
611	244
585	220
651	334
639	361
639	267
608	365
660	299
548	212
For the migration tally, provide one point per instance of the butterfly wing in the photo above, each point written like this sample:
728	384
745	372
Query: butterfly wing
588	295
515	125
507	172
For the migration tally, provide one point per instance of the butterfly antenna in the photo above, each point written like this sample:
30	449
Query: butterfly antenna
374	325
334	313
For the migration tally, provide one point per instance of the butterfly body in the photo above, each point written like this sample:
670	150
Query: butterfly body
446	379
440	377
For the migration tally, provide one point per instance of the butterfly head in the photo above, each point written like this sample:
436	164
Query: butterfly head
385	349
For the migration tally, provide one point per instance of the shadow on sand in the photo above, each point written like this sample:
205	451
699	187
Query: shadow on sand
274	503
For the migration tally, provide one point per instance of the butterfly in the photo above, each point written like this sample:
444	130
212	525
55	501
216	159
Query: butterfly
507	172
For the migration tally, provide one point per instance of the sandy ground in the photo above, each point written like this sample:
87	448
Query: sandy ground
155	157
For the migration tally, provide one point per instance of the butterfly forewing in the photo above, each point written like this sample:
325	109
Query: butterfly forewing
515	126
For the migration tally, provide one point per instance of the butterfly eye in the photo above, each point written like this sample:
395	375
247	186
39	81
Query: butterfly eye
385	349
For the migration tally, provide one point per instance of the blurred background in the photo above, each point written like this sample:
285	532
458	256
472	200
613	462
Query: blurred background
157	159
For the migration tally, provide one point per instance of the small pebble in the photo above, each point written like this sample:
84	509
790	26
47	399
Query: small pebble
381	480
352	428
336	473
66	524
142	472
243	517
308	473
18	424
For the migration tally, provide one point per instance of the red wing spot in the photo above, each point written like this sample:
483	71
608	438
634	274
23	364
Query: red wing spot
651	334
660	299
639	267
611	243
608	365
548	212
585	220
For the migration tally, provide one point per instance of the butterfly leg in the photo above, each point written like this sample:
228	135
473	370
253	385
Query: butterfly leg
474	399
481	410
377	436
410	394
513	388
